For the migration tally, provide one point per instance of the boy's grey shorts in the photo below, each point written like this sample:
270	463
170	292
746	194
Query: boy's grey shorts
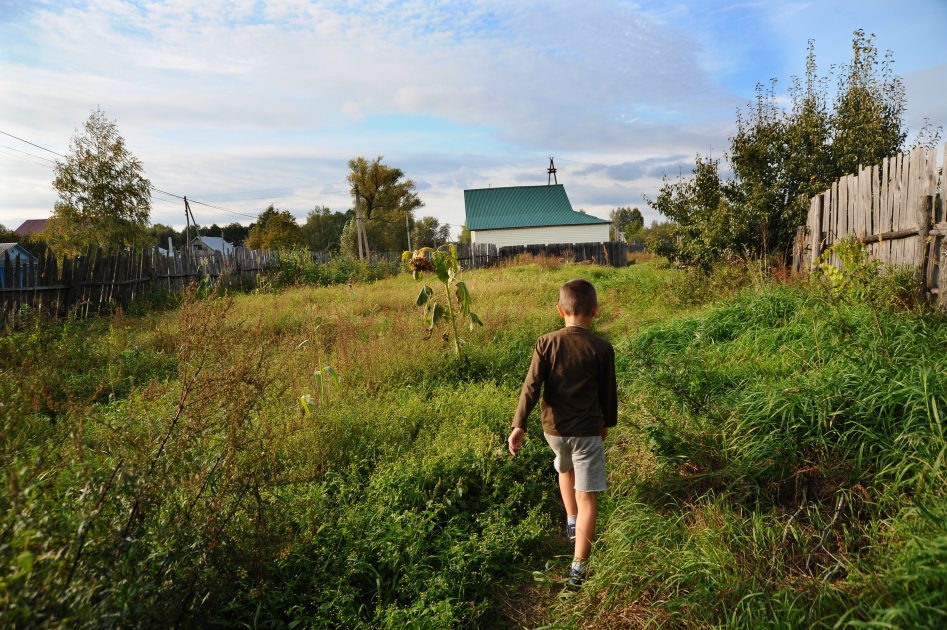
586	455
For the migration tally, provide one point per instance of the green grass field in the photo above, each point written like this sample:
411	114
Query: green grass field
778	462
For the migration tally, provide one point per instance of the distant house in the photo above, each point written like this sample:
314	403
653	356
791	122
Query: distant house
209	244
529	215
31	225
16	252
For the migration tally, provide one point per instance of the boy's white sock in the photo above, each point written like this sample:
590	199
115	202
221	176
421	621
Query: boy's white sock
571	518
578	566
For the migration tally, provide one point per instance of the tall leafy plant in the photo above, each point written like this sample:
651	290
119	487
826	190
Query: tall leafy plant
868	118
389	200
104	196
781	157
453	306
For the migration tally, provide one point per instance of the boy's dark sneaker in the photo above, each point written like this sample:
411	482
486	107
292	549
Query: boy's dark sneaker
570	531
573	583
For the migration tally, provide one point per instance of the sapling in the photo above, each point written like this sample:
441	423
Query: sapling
322	383
859	275
445	266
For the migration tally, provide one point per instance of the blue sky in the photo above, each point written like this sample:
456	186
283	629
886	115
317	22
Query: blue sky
244	103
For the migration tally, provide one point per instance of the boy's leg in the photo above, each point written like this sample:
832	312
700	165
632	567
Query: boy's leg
588	457
563	462
585	524
567	489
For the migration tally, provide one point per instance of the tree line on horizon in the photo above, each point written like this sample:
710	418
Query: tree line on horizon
779	158
104	200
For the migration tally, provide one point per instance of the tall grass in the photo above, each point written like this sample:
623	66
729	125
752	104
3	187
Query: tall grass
298	267
160	470
793	475
778	461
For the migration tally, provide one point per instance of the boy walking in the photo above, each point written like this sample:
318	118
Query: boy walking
579	404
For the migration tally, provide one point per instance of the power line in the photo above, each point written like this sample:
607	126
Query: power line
252	216
25	160
168	201
154	188
175	200
164	192
243	214
29	154
31	144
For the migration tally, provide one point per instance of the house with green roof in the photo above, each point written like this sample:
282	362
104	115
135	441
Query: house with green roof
529	215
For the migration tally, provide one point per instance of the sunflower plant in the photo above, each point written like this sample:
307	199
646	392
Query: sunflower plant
455	304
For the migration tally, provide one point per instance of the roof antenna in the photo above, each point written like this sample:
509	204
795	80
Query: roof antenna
552	173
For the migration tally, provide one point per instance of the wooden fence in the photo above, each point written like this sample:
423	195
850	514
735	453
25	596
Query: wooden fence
476	256
100	280
612	253
894	208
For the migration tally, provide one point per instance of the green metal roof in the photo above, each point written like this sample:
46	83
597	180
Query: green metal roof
522	206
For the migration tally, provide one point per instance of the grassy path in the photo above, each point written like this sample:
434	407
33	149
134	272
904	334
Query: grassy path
778	462
163	466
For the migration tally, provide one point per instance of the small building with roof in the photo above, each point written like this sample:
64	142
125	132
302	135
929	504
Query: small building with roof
529	215
210	244
30	226
15	253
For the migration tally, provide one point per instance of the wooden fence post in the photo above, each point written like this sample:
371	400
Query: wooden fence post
817	240
925	208
799	248
942	275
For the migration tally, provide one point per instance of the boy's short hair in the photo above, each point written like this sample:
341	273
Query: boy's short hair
578	297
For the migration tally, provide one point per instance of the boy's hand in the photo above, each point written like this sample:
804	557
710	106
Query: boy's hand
515	442
604	433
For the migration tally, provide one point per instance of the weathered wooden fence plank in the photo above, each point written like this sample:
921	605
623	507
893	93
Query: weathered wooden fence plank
893	207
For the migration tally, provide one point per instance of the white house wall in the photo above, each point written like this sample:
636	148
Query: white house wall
592	233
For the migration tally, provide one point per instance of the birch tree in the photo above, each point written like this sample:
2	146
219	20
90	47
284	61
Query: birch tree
104	197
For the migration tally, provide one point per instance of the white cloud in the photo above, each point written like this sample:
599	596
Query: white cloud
554	69
233	95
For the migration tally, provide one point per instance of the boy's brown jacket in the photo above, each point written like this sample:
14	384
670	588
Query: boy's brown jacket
580	394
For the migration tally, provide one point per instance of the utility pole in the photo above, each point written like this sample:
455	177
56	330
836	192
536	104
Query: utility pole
407	228
368	252
360	224
187	219
552	173
187	211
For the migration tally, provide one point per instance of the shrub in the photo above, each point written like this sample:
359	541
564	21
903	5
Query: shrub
298	268
796	440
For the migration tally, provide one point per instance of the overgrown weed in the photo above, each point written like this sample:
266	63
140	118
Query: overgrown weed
168	471
298	268
636	258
